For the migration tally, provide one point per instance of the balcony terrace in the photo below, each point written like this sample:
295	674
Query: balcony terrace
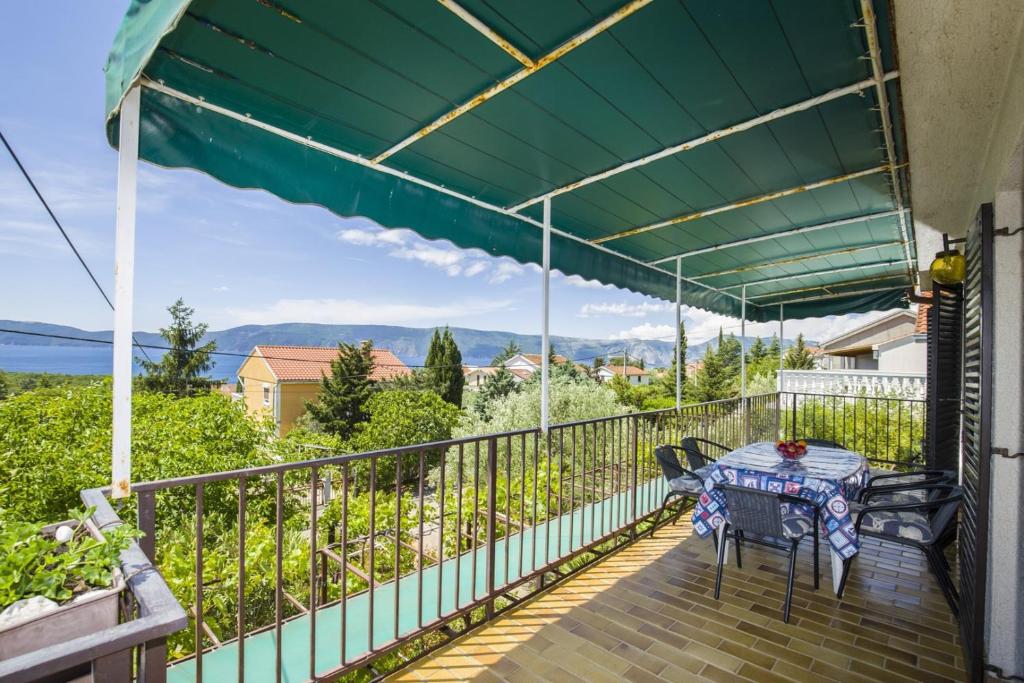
648	613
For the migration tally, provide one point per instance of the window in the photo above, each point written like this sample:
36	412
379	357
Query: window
266	394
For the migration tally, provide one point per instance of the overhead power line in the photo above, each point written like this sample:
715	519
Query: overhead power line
63	232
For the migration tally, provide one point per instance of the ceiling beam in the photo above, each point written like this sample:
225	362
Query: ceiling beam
855	88
776	235
839	295
760	199
362	161
814	273
506	83
489	33
798	259
828	287
875	52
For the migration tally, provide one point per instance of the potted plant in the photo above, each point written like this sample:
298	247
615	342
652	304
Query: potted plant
58	582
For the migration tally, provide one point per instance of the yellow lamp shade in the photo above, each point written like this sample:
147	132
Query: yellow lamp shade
948	268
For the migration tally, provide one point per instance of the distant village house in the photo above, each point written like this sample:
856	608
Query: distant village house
633	374
278	380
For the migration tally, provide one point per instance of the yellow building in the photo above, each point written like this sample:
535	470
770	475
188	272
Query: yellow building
278	380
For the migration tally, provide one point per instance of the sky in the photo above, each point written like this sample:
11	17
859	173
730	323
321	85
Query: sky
244	256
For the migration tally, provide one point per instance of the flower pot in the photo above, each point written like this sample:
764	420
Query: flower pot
87	613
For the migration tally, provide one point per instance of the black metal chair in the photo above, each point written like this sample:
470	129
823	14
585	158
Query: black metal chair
904	487
927	524
696	450
682	482
756	516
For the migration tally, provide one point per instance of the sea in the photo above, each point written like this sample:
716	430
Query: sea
81	360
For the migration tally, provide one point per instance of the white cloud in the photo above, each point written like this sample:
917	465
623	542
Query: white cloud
351	311
474	269
505	271
222	288
640	310
446	259
577	281
647	331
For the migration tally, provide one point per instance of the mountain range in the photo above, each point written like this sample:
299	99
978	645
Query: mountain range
408	343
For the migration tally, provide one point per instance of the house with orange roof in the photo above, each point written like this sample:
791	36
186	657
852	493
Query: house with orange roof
529	363
634	375
278	380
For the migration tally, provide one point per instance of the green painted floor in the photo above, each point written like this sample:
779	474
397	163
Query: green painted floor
538	545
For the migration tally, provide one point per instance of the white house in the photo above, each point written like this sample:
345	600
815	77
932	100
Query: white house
894	343
530	362
633	374
475	377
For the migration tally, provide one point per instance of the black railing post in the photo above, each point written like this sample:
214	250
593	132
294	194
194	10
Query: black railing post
146	518
492	510
635	445
793	434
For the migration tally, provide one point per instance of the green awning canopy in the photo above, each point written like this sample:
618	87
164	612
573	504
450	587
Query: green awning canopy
759	142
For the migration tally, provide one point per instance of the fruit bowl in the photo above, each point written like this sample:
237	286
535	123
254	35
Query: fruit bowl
791	450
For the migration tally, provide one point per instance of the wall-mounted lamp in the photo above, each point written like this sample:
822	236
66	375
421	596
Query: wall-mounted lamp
949	267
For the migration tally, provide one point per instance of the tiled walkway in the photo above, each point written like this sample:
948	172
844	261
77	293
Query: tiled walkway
648	613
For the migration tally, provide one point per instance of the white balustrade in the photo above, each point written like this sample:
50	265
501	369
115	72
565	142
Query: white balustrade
855	382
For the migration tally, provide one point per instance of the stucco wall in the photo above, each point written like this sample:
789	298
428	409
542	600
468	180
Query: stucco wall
892	329
254	374
293	402
1006	536
903	356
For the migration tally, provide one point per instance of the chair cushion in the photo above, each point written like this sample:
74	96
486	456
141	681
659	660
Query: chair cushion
796	525
907	524
690	484
899	497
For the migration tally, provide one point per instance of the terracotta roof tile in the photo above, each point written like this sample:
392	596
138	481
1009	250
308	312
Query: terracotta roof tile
310	363
921	324
629	370
535	358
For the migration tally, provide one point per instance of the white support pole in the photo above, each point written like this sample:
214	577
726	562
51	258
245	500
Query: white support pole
124	275
782	353
680	359
743	351
544	337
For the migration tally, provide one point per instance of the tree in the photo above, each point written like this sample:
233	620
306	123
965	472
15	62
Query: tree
444	367
712	382
4	389
730	351
757	353
511	349
799	357
774	349
495	387
181	370
339	406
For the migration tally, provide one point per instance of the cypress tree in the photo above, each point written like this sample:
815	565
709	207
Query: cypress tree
798	357
711	382
444	367
339	406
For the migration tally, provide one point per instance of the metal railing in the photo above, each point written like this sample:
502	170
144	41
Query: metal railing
886	430
316	568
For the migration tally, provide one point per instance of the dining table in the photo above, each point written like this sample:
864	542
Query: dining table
828	478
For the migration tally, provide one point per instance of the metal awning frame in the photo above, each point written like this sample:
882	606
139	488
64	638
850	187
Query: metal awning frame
129	109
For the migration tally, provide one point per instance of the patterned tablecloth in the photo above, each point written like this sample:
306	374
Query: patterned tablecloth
826	477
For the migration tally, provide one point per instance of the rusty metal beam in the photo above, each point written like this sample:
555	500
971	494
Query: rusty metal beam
877	73
486	31
813	273
797	259
776	235
771	196
506	83
710	137
828	287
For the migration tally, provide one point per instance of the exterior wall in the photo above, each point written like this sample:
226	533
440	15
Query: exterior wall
293	402
520	363
909	355
255	375
893	329
1005	625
